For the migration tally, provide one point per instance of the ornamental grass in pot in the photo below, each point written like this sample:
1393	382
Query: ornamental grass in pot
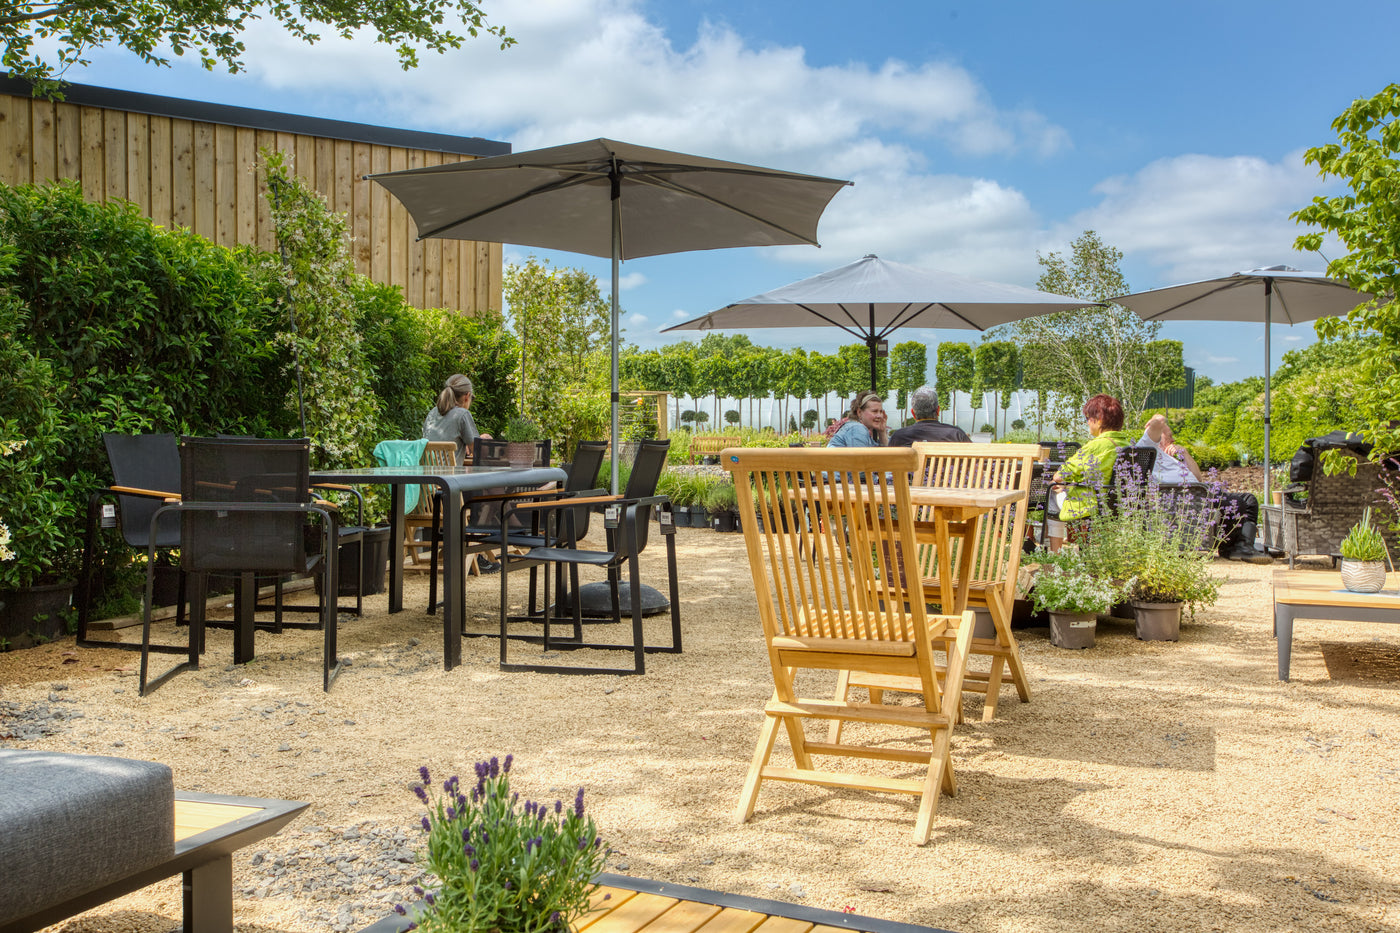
1363	557
500	864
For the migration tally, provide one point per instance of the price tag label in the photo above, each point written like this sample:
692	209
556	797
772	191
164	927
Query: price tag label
667	520
611	514
109	515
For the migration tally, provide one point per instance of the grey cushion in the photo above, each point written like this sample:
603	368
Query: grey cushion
73	823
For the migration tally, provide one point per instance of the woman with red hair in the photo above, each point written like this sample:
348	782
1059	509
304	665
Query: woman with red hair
1090	466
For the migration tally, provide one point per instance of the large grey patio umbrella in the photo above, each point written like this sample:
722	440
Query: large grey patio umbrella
606	198
871	297
1250	296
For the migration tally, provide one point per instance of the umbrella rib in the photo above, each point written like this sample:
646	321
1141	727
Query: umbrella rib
955	314
669	185
572	181
1214	291
901	319
834	323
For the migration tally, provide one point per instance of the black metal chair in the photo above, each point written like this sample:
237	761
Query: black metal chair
628	520
145	476
348	535
243	510
480	525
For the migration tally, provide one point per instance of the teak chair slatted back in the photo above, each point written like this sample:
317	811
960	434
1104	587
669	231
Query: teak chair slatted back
831	598
996	554
437	453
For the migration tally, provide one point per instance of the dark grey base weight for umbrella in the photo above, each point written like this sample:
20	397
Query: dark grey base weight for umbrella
595	602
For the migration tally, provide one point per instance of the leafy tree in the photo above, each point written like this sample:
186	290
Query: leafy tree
1072	355
996	368
676	373
854	371
688	416
954	371
43	38
1367	158
563	324
788	372
810	417
731	416
908	370
728	346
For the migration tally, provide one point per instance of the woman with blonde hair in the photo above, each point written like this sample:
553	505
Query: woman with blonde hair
865	423
451	419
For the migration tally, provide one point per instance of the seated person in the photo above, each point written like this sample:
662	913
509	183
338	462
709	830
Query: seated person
864	425
923	405
1176	465
1090	466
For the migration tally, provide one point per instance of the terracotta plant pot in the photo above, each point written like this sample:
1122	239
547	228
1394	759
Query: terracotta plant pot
1073	629
1157	621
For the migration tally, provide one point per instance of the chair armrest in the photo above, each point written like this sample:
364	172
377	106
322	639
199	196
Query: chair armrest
145	493
570	502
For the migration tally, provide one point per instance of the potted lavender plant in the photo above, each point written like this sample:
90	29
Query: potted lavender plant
501	864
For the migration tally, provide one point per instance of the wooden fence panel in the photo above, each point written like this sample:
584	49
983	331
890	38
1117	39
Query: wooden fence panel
199	173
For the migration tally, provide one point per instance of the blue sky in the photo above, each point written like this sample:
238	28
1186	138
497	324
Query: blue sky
976	134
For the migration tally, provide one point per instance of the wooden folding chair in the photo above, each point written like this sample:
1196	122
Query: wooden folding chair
996	558
437	453
829	600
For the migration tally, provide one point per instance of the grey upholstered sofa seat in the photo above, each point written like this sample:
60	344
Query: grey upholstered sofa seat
70	824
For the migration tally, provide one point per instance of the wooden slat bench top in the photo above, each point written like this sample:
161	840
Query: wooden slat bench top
195	816
1304	594
1313	588
635	905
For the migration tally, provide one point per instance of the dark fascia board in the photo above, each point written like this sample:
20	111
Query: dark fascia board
155	105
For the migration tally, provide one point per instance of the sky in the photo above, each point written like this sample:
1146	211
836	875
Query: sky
978	136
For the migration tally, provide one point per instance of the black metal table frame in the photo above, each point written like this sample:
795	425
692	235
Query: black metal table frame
453	483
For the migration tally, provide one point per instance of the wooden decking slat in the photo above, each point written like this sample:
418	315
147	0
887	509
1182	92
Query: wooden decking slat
685	917
733	920
784	925
631	916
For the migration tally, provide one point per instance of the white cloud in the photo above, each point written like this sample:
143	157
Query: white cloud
1291	338
630	280
1197	216
1221	360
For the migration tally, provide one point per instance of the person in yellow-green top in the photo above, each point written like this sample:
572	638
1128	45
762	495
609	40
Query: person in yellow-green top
1104	415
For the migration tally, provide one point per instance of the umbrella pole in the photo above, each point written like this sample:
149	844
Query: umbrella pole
1268	365
872	343
616	259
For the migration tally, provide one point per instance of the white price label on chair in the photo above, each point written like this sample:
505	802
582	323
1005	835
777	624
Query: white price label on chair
665	517
611	515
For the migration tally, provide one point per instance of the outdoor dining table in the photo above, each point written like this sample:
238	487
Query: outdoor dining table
946	515
454	482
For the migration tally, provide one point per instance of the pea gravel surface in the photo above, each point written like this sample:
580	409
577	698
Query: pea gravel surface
1145	786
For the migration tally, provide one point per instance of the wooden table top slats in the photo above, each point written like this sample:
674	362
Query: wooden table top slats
1310	588
196	816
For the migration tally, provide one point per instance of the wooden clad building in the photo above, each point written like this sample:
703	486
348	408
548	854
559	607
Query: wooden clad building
191	164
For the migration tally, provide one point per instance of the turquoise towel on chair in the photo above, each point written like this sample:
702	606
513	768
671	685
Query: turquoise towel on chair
402	453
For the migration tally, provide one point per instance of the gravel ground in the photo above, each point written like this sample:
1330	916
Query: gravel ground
1146	786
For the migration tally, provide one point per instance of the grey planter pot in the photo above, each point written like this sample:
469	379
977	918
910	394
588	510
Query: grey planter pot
1158	621
1073	629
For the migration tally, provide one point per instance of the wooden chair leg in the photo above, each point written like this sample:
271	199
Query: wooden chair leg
749	795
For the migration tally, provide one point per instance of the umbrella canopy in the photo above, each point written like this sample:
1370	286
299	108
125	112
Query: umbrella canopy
870	298
606	198
1250	296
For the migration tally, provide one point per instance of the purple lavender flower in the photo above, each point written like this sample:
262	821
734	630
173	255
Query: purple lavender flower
423	773
427	827
578	803
451	813
495	767
430	898
558	806
400	910
474	865
417	890
506	765
506	884
422	794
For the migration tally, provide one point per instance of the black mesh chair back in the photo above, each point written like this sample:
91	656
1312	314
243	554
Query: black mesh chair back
487	451
149	462
1132	467
641	484
245	470
145	461
583	478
